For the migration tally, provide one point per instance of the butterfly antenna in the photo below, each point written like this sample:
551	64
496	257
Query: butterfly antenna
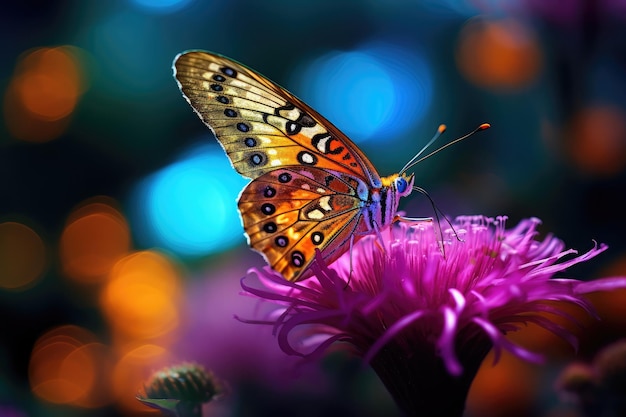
414	161
440	130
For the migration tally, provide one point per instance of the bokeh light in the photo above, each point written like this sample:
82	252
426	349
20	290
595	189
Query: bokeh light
121	40
499	54
466	8
95	237
162	6
43	93
513	387
374	89
50	83
23	256
189	207
142	297
597	137
611	306
507	389
68	366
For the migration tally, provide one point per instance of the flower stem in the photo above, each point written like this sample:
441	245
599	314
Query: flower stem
419	382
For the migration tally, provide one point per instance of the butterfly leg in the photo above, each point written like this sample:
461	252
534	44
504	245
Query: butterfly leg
379	237
415	220
411	219
379	242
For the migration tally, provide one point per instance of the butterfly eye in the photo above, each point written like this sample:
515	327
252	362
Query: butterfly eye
401	185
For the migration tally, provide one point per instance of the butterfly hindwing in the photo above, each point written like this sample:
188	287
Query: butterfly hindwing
289	213
260	125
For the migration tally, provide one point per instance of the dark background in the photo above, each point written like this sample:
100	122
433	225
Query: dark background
548	78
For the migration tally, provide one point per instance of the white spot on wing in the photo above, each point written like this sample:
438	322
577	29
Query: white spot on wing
307	158
312	131
321	145
324	203
315	214
292	114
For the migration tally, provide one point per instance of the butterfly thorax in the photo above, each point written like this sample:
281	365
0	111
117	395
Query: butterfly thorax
382	205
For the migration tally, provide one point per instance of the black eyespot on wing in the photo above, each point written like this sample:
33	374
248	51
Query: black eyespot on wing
293	128
268	209
317	238
228	71
284	177
281	241
258	159
269	192
297	258
270	227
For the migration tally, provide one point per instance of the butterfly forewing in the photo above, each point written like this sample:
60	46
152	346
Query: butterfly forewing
259	124
308	178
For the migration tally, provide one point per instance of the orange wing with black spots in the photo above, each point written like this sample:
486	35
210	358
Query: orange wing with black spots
260	125
309	181
287	213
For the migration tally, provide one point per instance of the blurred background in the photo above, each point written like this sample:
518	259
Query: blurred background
121	248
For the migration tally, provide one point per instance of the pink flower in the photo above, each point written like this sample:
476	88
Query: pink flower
425	318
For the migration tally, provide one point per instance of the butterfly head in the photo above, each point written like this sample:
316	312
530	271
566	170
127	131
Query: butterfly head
401	184
404	184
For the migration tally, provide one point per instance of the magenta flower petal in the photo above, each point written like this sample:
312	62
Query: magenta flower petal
423	320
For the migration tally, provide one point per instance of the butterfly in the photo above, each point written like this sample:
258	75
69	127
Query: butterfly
312	187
